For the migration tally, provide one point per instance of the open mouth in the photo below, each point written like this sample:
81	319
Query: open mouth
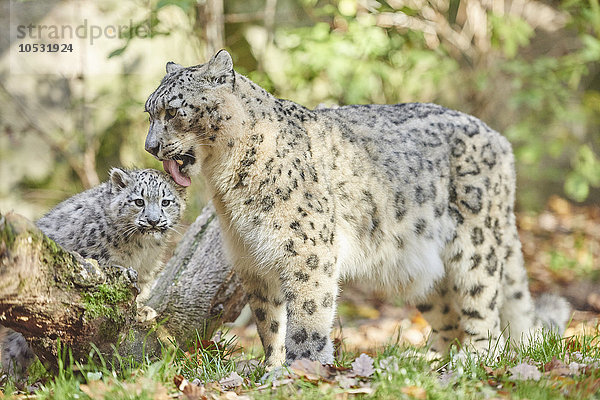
176	166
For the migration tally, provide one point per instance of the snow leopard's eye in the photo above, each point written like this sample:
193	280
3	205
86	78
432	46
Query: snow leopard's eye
170	113
165	203
139	202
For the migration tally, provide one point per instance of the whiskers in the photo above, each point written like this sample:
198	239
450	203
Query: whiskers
130	230
174	229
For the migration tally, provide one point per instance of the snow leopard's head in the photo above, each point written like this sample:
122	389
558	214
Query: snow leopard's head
191	108
145	202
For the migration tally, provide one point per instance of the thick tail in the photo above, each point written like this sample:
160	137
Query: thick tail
553	312
15	353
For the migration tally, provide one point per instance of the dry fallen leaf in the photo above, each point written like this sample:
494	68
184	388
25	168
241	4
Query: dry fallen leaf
231	381
557	368
190	390
346	381
414	392
559	205
311	370
281	382
246	367
363	366
99	390
419	321
494	372
361	390
234	396
524	371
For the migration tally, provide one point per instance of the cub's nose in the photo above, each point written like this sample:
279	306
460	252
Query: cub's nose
153	221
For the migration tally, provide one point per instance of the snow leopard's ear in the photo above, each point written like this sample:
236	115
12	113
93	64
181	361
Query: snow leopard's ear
119	178
221	63
172	67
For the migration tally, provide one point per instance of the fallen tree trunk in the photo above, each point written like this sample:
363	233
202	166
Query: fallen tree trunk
47	293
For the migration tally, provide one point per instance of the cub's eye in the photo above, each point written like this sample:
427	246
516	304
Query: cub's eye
165	203
139	202
221	80
170	113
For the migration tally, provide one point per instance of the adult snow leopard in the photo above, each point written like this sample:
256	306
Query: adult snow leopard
414	197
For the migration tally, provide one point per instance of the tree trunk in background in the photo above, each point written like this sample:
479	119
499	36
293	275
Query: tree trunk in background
47	293
211	20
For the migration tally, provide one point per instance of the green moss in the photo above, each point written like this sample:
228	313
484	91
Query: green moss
104	300
58	255
7	233
104	303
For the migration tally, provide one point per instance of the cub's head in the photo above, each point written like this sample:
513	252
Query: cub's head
146	201
187	110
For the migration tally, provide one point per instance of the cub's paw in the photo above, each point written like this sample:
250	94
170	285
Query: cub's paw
127	276
146	315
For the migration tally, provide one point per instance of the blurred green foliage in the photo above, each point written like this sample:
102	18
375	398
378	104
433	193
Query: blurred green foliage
529	71
539	87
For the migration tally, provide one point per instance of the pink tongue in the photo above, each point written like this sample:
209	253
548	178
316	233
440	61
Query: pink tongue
172	168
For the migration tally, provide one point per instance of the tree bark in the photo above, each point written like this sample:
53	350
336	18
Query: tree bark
210	18
47	293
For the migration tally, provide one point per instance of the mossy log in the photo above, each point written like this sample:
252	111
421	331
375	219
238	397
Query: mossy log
49	294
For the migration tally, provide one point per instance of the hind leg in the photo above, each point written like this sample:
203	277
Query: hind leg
524	319
439	311
474	274
518	311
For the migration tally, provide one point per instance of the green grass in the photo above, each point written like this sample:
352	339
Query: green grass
400	373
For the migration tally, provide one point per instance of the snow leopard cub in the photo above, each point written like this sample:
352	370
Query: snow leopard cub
125	221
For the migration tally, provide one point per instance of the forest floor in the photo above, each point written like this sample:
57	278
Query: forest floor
381	351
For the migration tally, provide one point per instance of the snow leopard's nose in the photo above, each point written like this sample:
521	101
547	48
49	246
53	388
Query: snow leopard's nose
153	214
152	144
152	147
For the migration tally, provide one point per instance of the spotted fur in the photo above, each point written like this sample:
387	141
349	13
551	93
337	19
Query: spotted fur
413	197
126	221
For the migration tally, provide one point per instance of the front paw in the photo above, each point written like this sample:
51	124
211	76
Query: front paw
146	315
315	347
124	275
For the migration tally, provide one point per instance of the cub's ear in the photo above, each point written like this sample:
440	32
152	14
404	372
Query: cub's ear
172	67
220	63
119	178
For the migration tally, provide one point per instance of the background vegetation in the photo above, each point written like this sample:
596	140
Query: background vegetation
530	69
